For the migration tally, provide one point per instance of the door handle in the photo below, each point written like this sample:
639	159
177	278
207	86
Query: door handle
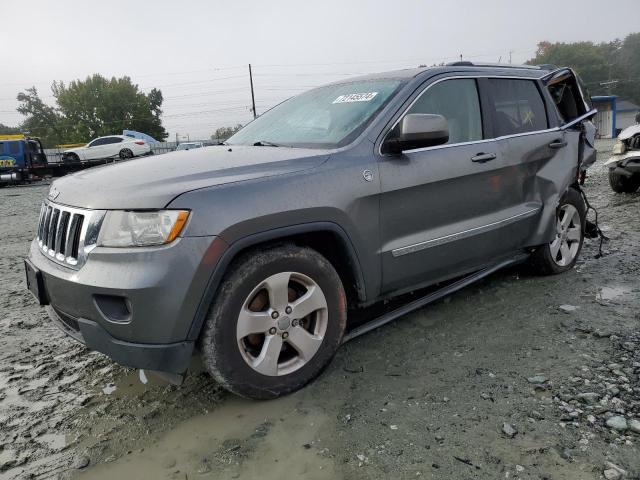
483	157
558	144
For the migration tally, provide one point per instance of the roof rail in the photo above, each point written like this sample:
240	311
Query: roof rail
548	66
466	63
461	63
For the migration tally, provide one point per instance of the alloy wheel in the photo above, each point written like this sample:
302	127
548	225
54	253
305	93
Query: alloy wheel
282	323
565	246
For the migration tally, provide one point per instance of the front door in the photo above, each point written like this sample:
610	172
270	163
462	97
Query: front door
95	150
450	209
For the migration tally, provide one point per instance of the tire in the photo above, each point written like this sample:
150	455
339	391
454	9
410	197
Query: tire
242	333
562	253
623	184
125	154
72	158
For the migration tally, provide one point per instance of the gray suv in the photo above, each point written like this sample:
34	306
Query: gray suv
252	253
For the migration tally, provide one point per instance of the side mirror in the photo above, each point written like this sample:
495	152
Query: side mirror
418	130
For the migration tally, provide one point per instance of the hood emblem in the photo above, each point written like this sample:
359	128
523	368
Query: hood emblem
53	193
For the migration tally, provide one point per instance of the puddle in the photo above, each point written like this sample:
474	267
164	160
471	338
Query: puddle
133	384
605	294
240	439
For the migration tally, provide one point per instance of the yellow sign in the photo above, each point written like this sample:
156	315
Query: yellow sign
71	145
18	136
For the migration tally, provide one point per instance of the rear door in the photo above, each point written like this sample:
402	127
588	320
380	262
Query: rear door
112	147
450	209
546	156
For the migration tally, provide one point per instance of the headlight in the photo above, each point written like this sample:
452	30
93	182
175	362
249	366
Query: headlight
619	148
140	228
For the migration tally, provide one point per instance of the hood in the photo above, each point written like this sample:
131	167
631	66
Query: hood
72	150
152	182
629	132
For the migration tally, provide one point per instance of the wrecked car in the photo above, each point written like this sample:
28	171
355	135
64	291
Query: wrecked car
624	163
256	254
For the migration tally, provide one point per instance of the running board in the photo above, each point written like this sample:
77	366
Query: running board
430	298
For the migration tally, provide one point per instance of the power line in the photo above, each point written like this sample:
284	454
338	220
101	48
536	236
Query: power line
192	83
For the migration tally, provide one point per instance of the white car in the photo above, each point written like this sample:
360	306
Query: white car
112	146
190	145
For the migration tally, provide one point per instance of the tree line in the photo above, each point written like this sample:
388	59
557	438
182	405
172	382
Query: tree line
85	109
607	68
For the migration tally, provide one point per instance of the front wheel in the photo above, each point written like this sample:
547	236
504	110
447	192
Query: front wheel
278	318
71	158
622	183
562	252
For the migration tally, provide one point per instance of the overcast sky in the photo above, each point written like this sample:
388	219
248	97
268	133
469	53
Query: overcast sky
196	52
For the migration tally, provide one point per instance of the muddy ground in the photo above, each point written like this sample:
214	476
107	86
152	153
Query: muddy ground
497	381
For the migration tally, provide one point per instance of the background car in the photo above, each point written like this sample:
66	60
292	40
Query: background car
624	164
108	147
189	145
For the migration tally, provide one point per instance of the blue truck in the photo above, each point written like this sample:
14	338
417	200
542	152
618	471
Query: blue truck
21	159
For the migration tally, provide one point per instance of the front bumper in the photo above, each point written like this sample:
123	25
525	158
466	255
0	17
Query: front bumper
135	305
171	358
629	162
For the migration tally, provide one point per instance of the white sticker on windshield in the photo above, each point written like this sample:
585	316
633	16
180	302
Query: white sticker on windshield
355	97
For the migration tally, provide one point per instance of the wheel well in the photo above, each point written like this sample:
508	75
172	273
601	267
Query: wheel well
331	246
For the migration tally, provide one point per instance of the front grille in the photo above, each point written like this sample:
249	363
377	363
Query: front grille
66	234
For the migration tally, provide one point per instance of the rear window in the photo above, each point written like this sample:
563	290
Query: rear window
518	107
14	147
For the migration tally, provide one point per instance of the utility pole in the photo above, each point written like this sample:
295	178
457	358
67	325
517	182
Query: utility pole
510	52
253	99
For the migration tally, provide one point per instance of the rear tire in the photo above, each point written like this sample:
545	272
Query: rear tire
277	320
561	254
623	184
125	154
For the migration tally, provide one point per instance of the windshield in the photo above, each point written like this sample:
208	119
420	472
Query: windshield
187	146
326	117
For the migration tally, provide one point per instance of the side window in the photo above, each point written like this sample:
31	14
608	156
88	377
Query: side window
518	107
97	142
110	140
457	101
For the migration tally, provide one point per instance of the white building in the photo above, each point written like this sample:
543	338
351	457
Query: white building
614	115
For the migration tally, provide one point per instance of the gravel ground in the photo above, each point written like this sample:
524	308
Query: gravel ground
514	377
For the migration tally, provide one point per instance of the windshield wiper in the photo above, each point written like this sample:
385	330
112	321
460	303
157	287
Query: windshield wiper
265	143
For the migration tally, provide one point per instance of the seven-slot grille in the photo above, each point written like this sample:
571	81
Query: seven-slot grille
60	232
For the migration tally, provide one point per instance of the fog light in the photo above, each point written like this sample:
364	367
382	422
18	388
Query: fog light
114	308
